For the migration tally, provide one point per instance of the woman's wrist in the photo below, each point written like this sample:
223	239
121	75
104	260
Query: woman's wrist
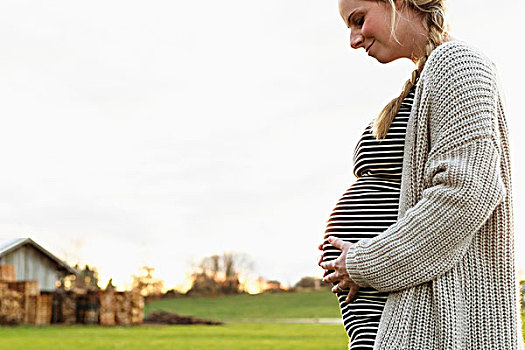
352	267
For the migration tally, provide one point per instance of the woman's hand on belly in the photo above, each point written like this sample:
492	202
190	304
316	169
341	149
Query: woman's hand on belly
338	266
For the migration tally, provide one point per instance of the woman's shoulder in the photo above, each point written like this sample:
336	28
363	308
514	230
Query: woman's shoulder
457	55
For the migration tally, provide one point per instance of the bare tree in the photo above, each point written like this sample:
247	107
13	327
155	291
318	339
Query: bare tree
219	274
146	284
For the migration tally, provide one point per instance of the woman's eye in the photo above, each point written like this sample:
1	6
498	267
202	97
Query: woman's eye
357	20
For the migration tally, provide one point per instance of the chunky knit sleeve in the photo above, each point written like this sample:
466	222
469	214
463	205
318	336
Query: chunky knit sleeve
462	185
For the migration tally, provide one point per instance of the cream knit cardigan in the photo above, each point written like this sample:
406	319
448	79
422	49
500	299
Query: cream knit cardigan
448	262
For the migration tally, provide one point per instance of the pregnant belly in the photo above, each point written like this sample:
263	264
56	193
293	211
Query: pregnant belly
365	210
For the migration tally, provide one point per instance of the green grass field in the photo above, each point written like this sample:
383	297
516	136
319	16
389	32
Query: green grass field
252	322
250	308
235	336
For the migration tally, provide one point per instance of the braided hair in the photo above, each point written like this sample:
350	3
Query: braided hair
434	21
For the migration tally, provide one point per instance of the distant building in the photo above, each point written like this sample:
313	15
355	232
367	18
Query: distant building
33	262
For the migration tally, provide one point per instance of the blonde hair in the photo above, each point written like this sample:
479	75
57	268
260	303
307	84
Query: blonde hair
434	21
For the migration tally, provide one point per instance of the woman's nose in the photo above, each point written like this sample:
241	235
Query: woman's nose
356	40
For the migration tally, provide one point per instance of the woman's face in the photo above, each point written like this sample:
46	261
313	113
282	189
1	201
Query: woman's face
370	25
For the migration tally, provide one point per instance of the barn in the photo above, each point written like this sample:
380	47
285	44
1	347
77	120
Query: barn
33	262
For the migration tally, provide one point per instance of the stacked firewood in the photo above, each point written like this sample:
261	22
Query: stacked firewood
11	307
29	291
44	308
137	308
69	307
107	308
123	308
7	273
11	311
92	308
22	302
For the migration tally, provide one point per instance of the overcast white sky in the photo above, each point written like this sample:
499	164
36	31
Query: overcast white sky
160	132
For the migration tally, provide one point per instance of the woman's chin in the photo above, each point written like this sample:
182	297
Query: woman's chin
384	60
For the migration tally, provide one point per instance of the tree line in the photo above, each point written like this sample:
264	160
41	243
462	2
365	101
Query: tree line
215	275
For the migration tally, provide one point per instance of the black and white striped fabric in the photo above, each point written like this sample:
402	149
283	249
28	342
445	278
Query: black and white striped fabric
366	209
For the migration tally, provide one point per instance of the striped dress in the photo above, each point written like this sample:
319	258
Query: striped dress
366	209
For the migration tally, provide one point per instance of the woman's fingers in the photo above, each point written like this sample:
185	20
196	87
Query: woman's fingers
336	289
333	277
328	265
336	242
352	293
344	284
338	266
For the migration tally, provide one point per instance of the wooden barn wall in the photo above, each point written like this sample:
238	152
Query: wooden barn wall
31	264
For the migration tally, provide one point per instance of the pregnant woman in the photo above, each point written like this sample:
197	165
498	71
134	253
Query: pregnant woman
420	249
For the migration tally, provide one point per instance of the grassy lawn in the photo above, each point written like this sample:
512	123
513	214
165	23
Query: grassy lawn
236	336
249	326
254	331
249	308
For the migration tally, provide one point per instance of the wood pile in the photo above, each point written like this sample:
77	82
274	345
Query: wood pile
29	291
107	308
137	308
164	317
123	308
91	315
64	307
22	302
88	307
38	309
7	273
11	310
44	309
25	287
31	304
69	307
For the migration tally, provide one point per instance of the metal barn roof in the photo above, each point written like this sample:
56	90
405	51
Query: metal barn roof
8	246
